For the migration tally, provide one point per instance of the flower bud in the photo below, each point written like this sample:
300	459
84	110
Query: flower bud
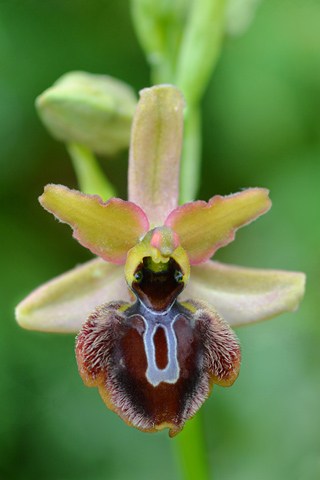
93	110
239	15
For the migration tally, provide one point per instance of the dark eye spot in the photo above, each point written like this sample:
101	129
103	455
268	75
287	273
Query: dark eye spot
138	276
178	276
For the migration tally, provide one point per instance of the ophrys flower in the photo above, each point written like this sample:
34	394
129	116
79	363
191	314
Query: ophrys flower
154	358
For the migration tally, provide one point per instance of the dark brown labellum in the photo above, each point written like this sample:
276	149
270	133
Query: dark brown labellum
155	370
155	361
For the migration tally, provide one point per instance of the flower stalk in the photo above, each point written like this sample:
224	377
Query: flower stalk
90	176
191	451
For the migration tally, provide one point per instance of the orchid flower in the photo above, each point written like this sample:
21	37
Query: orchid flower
153	313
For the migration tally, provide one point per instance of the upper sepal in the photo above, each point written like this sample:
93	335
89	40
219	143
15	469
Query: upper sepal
109	229
155	150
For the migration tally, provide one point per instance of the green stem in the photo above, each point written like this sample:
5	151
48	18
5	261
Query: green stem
159	26
191	156
200	48
191	449
91	179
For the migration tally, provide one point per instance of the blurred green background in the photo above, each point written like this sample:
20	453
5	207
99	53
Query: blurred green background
260	128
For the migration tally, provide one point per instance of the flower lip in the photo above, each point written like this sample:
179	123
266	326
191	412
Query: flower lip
155	369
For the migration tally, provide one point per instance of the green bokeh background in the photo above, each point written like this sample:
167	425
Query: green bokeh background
260	128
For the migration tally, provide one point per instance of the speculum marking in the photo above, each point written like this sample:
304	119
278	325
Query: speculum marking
154	374
169	374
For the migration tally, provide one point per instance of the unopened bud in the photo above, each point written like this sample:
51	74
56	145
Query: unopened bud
92	110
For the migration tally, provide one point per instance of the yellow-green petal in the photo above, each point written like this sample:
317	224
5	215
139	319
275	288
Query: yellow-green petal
155	151
63	304
245	295
204	227
108	229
